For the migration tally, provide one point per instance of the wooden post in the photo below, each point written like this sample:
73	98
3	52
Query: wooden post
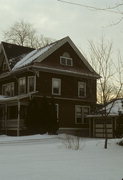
94	127
90	127
18	120
5	123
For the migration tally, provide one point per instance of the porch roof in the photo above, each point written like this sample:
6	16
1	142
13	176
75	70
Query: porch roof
100	115
6	99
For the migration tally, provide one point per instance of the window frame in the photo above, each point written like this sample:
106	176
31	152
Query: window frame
79	84
29	77
82	114
66	61
4	66
59	80
19	86
57	111
6	86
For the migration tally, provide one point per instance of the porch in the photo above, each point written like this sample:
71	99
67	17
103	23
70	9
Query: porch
12	114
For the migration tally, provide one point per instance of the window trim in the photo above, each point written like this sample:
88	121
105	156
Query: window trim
57	111
13	83
34	84
19	86
79	82
66	58
59	80
82	122
4	66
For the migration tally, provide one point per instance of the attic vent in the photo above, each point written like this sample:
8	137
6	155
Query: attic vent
66	54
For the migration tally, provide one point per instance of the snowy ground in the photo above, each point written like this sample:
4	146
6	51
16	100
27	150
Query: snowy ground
46	158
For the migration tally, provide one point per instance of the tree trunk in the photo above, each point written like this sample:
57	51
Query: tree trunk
106	138
106	142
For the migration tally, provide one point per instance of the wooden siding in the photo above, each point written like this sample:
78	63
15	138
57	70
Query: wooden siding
69	86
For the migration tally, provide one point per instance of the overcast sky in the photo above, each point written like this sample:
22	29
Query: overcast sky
57	20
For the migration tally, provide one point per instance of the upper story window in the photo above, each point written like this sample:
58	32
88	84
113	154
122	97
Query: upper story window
56	86
22	85
8	89
31	83
80	114
81	89
66	60
4	67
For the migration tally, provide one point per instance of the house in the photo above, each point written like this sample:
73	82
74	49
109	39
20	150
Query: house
109	119
57	71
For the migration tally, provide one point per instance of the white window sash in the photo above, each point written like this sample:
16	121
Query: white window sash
34	85
9	87
82	113
79	87
19	86
59	86
66	61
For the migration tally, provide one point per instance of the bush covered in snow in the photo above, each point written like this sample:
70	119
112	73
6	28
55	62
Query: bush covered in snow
120	142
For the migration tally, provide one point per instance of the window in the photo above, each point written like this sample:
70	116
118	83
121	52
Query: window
8	89
4	67
31	83
80	114
56	86
81	89
22	85
66	61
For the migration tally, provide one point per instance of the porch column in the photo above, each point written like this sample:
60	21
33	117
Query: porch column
90	128
5	119
18	120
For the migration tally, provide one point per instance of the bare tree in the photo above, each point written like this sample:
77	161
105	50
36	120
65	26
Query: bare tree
24	34
110	85
113	8
110	70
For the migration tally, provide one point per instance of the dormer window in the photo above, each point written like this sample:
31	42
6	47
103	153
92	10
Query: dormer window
66	60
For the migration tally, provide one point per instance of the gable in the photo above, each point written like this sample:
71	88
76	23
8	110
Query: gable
78	66
53	60
49	57
3	63
59	44
14	52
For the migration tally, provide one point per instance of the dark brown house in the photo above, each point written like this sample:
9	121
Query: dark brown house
57	71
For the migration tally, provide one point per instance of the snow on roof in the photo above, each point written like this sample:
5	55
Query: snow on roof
30	57
115	107
2	97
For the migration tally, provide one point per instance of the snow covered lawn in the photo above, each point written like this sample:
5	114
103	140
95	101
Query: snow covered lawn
46	158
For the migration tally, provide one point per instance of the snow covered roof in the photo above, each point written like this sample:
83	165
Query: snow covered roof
23	60
4	99
114	107
30	57
13	51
